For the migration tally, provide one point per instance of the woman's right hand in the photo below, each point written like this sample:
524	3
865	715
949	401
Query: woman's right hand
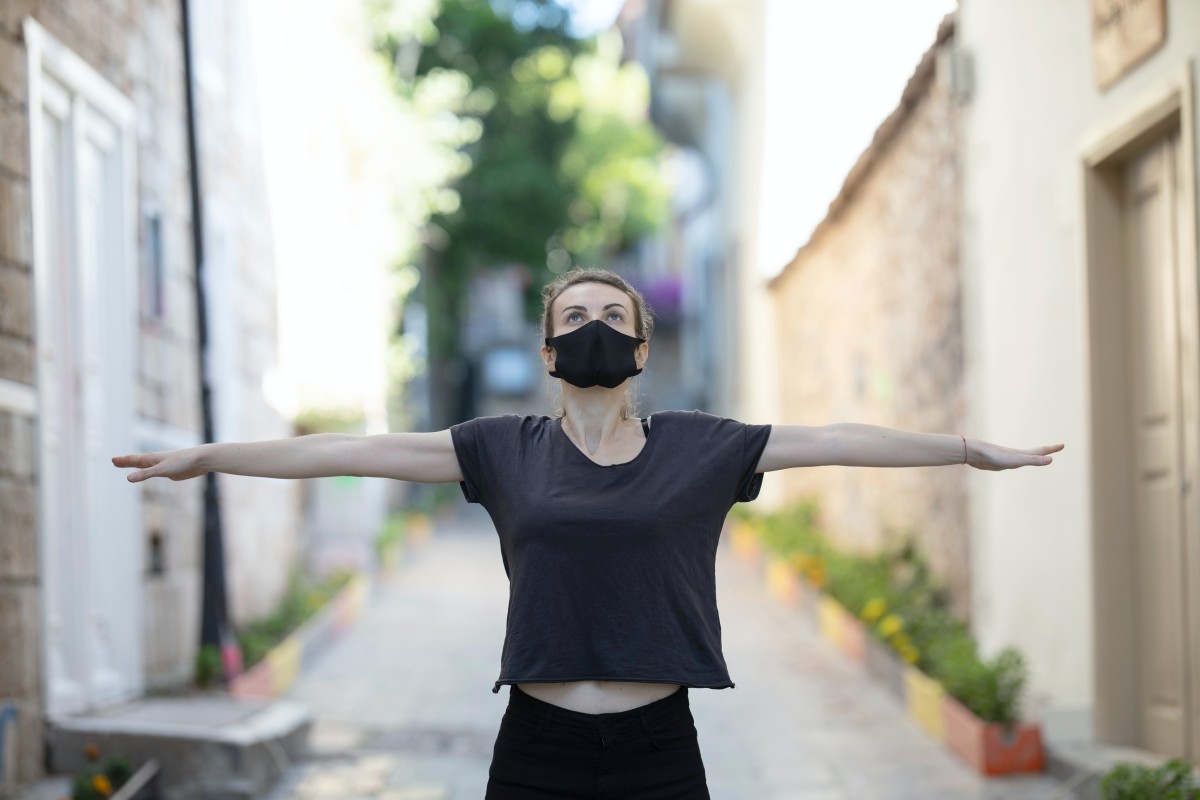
178	465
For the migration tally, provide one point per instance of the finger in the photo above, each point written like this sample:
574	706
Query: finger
141	475
137	460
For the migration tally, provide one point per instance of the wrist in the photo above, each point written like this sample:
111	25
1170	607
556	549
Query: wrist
206	456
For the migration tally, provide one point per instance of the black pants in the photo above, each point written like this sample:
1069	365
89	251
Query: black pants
647	753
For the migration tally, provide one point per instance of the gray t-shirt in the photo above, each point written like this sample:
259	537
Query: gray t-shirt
611	568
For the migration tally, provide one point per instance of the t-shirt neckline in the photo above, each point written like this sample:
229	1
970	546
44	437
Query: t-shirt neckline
556	422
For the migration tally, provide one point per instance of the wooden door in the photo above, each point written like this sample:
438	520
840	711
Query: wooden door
1151	220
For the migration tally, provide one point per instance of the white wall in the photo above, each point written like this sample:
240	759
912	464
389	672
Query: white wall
1033	101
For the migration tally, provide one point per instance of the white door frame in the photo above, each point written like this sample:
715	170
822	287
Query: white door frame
89	518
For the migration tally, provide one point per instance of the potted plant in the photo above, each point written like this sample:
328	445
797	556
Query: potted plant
981	714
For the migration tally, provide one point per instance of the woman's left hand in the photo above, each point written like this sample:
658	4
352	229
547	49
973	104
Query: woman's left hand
985	455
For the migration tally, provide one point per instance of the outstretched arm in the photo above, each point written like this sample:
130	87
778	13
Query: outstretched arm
853	444
417	457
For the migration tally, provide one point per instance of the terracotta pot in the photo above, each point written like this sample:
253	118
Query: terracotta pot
255	682
887	667
989	747
925	696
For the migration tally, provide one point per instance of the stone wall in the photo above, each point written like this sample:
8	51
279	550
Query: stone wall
869	317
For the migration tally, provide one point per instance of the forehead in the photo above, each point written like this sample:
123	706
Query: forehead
591	295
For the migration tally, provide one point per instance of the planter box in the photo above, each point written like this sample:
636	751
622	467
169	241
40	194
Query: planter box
886	665
925	696
782	581
989	747
830	620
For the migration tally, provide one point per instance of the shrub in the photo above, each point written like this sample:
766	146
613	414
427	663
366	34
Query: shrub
1173	780
990	689
208	665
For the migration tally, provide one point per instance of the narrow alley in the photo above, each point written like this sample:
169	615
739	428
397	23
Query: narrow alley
405	711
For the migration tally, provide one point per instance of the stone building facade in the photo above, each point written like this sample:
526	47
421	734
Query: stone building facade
869	322
100	580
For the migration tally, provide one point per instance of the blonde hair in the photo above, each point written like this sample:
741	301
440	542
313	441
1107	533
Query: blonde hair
643	321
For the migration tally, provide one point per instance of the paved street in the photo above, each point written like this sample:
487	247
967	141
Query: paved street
405	710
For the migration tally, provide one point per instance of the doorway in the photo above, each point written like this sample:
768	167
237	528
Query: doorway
1142	286
82	134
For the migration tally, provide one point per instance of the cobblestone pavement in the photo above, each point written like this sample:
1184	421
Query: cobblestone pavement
404	708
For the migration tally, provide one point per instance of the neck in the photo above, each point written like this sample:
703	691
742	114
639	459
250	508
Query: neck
594	414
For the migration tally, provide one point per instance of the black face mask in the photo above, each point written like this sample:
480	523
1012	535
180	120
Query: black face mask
595	353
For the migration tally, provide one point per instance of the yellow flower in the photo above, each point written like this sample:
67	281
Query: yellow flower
800	561
102	785
909	653
891	624
816	575
874	609
899	641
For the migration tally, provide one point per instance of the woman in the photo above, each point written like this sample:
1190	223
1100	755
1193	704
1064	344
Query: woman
608	527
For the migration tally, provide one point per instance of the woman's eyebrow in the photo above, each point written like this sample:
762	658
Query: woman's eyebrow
581	308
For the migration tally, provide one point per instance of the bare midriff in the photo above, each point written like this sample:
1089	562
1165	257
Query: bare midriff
599	697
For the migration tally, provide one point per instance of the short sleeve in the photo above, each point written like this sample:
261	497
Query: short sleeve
478	443
754	441
734	449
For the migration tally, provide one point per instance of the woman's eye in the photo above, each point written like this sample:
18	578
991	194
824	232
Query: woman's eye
575	314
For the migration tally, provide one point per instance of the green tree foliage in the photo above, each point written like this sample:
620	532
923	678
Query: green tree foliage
566	167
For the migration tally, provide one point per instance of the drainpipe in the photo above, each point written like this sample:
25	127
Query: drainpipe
214	622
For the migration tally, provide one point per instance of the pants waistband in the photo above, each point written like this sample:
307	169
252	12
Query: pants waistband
547	714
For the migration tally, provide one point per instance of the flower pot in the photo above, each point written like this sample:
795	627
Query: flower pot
254	682
829	618
925	697
886	666
782	581
989	747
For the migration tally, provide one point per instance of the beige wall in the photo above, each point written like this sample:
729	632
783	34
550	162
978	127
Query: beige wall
261	516
1032	106
869	323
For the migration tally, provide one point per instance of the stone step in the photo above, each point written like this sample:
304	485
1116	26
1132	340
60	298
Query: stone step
212	746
